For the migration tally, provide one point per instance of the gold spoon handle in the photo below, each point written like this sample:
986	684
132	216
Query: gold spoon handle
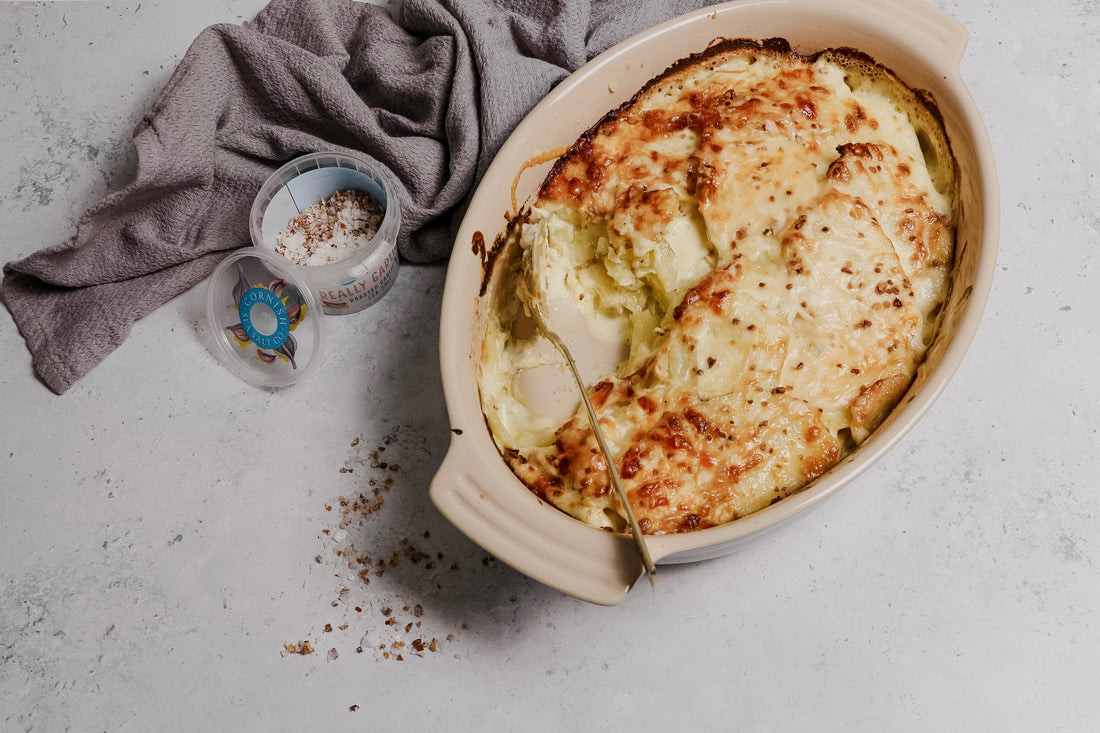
612	469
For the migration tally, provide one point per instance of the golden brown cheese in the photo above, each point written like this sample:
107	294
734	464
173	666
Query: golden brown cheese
768	236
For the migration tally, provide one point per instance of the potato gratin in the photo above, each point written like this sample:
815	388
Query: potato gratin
765	240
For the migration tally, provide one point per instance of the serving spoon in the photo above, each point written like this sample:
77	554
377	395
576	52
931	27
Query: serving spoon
534	303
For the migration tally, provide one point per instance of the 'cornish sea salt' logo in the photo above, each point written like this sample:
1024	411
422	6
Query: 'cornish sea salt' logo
274	308
268	315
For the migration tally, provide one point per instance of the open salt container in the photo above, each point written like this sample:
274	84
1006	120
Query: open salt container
266	321
362	277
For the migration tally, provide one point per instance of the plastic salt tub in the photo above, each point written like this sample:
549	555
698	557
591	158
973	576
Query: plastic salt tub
367	273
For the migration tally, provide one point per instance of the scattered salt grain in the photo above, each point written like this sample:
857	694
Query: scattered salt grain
331	230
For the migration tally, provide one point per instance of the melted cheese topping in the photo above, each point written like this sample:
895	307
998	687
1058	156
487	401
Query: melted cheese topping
762	241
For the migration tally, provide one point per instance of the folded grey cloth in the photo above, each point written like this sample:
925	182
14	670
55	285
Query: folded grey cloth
431	93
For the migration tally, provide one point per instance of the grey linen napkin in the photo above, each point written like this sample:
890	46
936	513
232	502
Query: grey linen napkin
431	93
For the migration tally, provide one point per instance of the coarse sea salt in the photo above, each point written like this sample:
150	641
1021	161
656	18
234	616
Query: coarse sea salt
331	230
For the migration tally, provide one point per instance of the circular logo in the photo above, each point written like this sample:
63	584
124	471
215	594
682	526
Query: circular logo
271	306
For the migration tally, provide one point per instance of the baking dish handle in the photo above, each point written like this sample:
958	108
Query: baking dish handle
589	564
934	29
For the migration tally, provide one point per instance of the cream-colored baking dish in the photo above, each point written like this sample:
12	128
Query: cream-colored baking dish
476	490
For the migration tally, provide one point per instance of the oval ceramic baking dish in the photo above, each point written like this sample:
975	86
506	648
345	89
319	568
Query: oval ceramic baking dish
476	490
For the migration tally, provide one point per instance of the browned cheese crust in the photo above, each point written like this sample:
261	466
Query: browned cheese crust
838	326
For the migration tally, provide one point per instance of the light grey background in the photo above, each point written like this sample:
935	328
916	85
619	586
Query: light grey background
164	528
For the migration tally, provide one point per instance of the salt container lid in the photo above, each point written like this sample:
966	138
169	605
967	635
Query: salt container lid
266	322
